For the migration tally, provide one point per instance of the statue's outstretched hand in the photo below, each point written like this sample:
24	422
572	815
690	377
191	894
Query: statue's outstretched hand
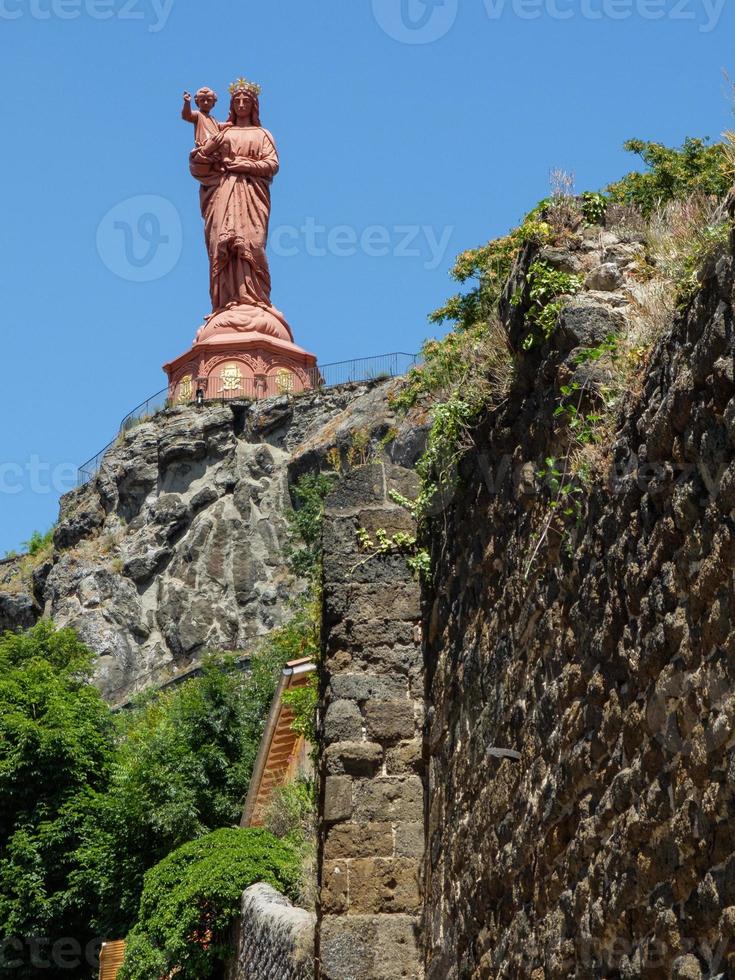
187	97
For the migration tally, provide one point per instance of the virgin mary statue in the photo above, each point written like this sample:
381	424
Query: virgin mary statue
235	168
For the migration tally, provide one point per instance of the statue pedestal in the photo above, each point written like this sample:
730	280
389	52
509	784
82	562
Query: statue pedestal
226	362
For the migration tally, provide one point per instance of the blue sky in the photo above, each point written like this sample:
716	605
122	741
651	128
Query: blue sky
407	131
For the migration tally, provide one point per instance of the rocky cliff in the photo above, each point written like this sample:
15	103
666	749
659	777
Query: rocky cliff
580	650
176	548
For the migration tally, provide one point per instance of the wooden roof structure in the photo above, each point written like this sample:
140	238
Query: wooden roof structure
111	959
282	754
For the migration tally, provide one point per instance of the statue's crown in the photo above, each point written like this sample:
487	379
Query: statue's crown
243	85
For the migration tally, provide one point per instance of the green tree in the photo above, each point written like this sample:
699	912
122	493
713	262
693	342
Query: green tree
182	769
56	747
192	897
673	173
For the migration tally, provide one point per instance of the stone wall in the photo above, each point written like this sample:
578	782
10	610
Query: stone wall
370	771
581	679
275	940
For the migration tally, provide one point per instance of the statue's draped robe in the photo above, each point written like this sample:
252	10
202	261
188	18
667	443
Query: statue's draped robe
205	128
236	210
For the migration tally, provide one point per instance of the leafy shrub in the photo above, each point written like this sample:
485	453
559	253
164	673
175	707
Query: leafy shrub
673	174
594	207
309	494
710	242
490	265
39	542
192	897
290	813
464	374
303	702
545	285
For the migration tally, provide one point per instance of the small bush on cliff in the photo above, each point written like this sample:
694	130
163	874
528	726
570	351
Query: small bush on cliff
39	542
490	266
594	207
673	174
37	550
191	899
544	287
682	236
303	551
477	360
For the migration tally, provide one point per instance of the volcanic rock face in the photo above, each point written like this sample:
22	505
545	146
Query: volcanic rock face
581	665
189	553
177	546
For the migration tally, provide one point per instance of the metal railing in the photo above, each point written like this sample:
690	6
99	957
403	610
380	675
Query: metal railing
322	376
242	662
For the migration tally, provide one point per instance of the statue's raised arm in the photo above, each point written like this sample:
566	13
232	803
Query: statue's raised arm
205	125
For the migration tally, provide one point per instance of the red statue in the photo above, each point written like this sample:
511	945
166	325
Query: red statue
245	347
